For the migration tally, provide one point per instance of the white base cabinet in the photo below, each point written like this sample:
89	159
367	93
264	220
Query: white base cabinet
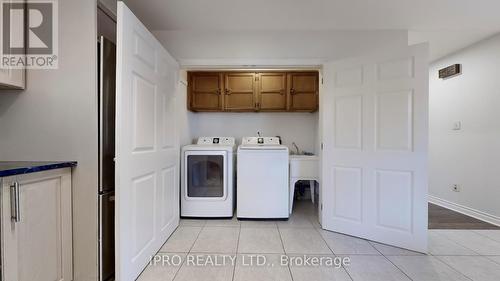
38	245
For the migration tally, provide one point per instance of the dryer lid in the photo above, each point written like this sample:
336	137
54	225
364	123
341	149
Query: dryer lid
250	147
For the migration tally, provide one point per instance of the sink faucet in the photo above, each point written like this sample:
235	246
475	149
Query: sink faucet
296	147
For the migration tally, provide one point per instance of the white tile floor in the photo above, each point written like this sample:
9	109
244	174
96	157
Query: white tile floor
453	254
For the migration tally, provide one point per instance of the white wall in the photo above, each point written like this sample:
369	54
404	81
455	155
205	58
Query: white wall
298	127
469	157
184	116
55	118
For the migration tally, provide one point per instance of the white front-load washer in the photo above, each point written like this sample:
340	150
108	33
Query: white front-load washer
262	181
207	178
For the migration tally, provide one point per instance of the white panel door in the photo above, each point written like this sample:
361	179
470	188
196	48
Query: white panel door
374	121
147	148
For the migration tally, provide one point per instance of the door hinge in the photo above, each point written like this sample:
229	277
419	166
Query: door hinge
321	81
321	206
321	146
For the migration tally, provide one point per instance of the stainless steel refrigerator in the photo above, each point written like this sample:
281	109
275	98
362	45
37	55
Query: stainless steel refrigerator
107	95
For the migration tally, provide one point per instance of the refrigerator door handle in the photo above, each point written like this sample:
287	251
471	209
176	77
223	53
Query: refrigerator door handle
101	107
106	112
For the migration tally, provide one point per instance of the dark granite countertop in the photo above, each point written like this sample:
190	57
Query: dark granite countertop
10	168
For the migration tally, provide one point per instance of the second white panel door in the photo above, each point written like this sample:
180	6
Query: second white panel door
375	131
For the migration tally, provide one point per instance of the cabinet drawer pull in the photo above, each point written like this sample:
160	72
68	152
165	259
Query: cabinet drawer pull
15	210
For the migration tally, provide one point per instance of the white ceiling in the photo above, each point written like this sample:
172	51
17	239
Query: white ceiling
447	24
266	48
442	43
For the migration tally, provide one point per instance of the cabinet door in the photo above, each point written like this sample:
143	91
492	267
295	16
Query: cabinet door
38	245
205	90
272	91
11	78
303	91
240	92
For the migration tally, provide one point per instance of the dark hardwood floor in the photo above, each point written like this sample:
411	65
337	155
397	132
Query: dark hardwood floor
442	218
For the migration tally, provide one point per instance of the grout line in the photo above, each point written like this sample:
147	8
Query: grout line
479	233
281	239
197	236
236	254
455	255
324	241
391	262
456	242
159	250
443	262
189	251
179	269
449	265
284	252
331	250
259	253
495	261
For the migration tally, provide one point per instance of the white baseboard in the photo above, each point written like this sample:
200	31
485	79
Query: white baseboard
465	210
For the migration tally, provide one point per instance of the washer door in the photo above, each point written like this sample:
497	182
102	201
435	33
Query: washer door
206	175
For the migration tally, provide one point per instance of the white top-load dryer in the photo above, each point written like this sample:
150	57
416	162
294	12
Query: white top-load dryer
207	178
262	179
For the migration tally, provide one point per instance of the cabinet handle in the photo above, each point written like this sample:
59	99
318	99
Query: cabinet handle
228	92
217	92
15	211
292	91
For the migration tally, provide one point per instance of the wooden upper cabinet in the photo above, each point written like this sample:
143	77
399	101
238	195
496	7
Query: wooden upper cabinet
239	93
277	91
205	91
271	91
302	91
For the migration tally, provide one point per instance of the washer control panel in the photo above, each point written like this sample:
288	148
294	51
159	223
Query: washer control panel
261	141
216	140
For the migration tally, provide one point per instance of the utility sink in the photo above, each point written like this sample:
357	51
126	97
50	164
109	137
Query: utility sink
303	167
